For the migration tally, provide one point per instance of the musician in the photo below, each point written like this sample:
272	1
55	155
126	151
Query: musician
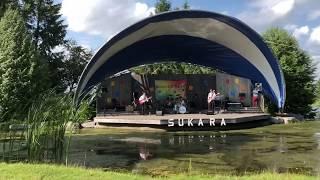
143	99
135	98
211	97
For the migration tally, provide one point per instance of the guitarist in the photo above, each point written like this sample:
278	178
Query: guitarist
211	97
143	99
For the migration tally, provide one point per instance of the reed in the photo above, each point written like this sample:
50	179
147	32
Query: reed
45	133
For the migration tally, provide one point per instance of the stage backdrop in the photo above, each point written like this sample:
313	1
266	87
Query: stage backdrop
232	86
170	88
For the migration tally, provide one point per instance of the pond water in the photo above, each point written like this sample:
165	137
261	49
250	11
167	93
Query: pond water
277	148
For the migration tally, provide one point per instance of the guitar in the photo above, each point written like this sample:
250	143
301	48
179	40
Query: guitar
142	101
212	97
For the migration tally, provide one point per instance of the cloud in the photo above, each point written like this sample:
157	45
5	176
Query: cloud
315	35
225	12
283	7
103	17
314	15
264	12
290	27
298	32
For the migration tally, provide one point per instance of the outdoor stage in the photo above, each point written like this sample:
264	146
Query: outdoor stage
223	121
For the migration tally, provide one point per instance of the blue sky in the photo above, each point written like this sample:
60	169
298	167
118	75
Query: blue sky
93	22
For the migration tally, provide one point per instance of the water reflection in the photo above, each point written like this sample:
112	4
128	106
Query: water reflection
144	152
209	152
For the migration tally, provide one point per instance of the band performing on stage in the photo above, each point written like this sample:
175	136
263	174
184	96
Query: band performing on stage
178	105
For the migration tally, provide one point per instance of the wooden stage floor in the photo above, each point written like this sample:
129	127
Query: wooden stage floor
167	120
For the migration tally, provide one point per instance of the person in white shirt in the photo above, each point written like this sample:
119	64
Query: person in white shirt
255	97
211	97
142	101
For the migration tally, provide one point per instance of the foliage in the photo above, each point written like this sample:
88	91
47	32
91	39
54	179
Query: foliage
45	23
186	5
316	105
172	68
20	69
162	6
47	121
317	92
48	31
45	129
42	171
6	4
75	59
297	68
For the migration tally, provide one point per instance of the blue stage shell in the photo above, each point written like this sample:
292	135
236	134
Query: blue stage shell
191	36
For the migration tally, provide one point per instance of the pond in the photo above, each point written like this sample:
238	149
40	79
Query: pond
276	148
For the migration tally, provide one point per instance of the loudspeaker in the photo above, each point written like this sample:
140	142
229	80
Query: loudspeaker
159	113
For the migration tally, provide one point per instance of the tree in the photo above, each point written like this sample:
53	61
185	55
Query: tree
297	68
76	59
172	68
48	31
317	92
163	6
20	68
317	102
186	5
5	4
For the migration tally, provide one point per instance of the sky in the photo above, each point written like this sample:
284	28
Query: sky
93	22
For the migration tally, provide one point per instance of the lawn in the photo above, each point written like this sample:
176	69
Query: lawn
44	171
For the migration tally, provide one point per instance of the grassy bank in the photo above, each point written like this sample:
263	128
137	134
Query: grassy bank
36	171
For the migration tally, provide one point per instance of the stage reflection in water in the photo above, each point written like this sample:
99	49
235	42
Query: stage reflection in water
237	152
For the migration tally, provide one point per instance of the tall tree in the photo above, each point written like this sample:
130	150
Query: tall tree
48	31
317	92
5	4
297	68
163	6
20	68
75	60
186	5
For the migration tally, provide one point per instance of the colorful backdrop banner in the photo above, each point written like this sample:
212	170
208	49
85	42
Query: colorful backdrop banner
170	88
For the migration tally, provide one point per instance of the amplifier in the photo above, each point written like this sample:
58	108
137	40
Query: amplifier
159	113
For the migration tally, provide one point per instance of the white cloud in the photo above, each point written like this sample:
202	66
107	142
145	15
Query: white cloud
314	15
103	17
283	7
225	12
290	27
264	12
298	32
315	35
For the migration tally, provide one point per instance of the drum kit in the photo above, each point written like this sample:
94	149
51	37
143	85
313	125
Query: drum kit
180	108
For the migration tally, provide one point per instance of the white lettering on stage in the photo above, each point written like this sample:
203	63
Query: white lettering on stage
170	122
223	122
200	122
212	122
180	122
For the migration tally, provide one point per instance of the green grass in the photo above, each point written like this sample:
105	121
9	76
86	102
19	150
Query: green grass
43	171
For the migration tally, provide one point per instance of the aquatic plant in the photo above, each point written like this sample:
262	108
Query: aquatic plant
44	134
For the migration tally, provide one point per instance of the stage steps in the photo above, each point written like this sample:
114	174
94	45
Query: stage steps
116	113
243	110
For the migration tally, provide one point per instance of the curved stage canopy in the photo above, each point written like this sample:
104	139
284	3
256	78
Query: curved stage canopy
197	37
